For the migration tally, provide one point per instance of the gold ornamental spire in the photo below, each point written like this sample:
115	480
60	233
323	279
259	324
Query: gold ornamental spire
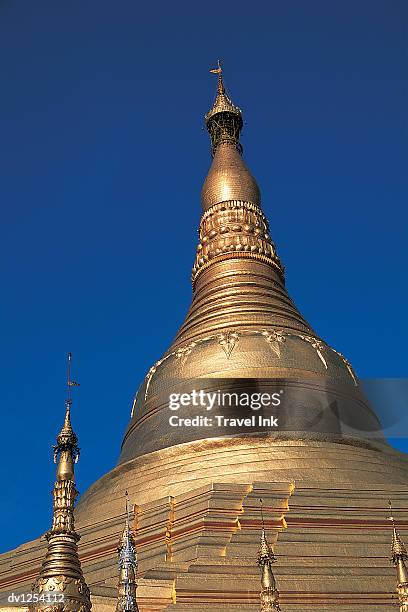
61	584
269	593
230	186
399	556
127	563
224	119
222	102
242	323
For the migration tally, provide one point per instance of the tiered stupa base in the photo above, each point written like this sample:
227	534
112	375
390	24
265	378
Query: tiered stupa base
198	526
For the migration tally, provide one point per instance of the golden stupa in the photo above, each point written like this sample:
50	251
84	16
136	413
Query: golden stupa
323	482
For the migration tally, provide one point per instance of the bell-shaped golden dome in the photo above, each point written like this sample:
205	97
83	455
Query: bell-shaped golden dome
242	324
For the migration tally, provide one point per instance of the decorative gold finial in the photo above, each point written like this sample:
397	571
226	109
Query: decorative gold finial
269	593
220	82
217	70
67	449
224	119
67	439
127	563
398	557
61	580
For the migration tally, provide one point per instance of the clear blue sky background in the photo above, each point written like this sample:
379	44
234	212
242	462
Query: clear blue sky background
102	156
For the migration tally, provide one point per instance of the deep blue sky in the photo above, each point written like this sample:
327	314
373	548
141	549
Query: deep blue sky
102	156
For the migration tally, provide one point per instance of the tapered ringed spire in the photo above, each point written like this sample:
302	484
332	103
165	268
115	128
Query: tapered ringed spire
61	573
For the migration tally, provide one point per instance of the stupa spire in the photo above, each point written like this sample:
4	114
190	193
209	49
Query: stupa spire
242	324
127	563
233	225
61	580
269	592
399	556
224	119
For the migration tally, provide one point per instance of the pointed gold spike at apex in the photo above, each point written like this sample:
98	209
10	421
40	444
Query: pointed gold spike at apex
224	119
217	70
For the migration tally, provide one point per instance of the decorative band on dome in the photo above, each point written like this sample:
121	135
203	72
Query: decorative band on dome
233	229
232	205
238	254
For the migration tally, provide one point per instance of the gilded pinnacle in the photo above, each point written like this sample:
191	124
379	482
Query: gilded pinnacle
61	569
127	565
222	102
224	119
229	179
269	593
399	556
127	539
239	294
265	554
67	438
398	549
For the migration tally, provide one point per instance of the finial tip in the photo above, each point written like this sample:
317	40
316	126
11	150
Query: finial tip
228	126
391	516
217	70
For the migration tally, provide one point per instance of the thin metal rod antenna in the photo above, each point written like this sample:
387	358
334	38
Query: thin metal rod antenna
391	517
262	516
127	510
69	378
218	71
220	83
